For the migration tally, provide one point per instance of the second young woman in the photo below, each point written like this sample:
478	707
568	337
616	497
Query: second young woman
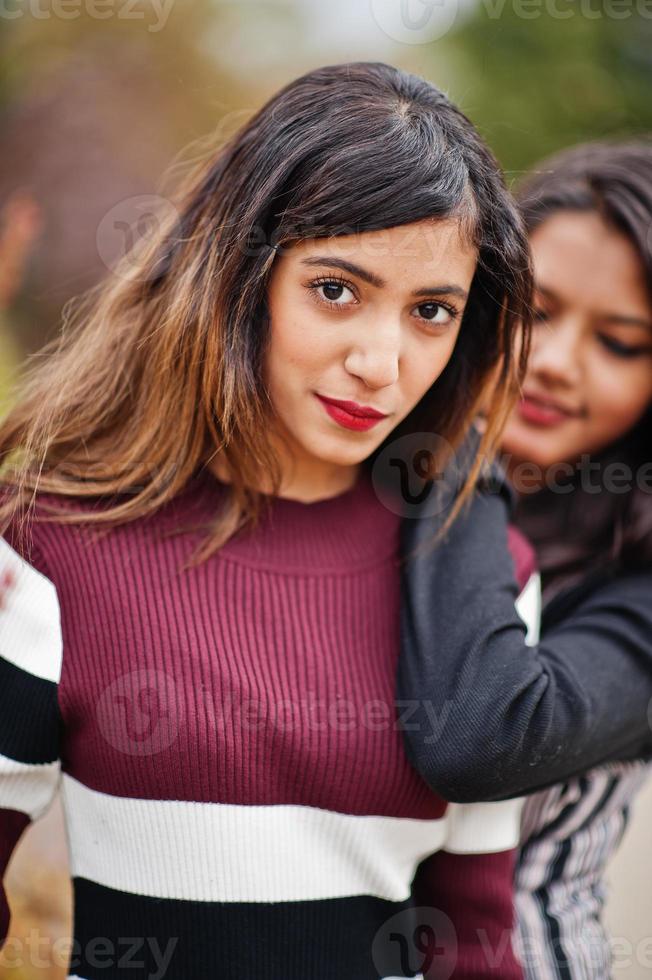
574	713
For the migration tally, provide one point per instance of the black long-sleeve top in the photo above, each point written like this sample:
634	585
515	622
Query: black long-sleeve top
511	718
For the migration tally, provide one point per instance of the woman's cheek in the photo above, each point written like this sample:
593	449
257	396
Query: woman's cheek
619	401
630	381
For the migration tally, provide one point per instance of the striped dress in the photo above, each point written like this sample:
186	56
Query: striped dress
569	832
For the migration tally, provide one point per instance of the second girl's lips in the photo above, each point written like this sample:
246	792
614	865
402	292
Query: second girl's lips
350	414
544	411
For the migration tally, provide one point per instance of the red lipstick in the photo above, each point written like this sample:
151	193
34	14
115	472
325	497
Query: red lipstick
543	411
350	414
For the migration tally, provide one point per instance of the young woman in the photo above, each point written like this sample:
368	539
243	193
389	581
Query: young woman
199	633
573	714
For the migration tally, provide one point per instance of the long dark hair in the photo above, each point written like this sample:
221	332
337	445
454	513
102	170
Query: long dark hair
580	531
161	369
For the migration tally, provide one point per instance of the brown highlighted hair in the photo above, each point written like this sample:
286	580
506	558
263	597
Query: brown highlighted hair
159	368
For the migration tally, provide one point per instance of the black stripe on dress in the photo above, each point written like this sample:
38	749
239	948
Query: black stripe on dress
352	938
29	720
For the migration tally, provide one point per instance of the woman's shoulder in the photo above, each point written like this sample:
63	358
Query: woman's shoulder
614	591
29	530
626	596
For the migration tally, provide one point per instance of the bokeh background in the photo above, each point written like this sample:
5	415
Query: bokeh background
102	102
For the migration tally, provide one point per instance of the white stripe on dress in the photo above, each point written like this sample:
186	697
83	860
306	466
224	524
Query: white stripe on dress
484	827
255	853
28	787
30	627
528	606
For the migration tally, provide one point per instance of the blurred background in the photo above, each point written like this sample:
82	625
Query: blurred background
101	99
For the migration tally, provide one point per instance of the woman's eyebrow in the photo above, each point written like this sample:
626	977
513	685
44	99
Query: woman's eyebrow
617	319
375	280
624	320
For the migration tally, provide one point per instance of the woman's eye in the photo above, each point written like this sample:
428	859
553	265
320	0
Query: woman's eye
623	350
539	315
338	294
332	291
436	313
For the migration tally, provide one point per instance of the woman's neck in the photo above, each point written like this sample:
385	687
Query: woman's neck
302	482
528	477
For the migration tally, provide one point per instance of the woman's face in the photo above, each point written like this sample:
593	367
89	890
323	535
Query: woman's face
371	319
589	376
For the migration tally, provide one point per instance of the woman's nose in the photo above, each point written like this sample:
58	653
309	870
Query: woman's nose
374	358
556	351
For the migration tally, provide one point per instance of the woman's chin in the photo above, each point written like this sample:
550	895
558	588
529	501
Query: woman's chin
527	447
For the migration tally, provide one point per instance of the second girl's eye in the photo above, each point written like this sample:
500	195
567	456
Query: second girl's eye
624	350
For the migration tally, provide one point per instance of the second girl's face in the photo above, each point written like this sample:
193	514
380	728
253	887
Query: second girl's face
589	375
369	319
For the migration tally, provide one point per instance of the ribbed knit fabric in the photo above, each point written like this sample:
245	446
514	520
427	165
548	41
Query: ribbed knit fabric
237	797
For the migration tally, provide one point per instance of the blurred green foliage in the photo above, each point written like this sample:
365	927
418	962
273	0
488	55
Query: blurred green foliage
535	85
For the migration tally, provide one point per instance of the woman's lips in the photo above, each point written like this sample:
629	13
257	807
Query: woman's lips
359	422
543	412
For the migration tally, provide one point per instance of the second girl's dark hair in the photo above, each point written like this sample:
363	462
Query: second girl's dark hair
579	531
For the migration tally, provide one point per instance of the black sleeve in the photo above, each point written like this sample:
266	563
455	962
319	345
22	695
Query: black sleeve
487	717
